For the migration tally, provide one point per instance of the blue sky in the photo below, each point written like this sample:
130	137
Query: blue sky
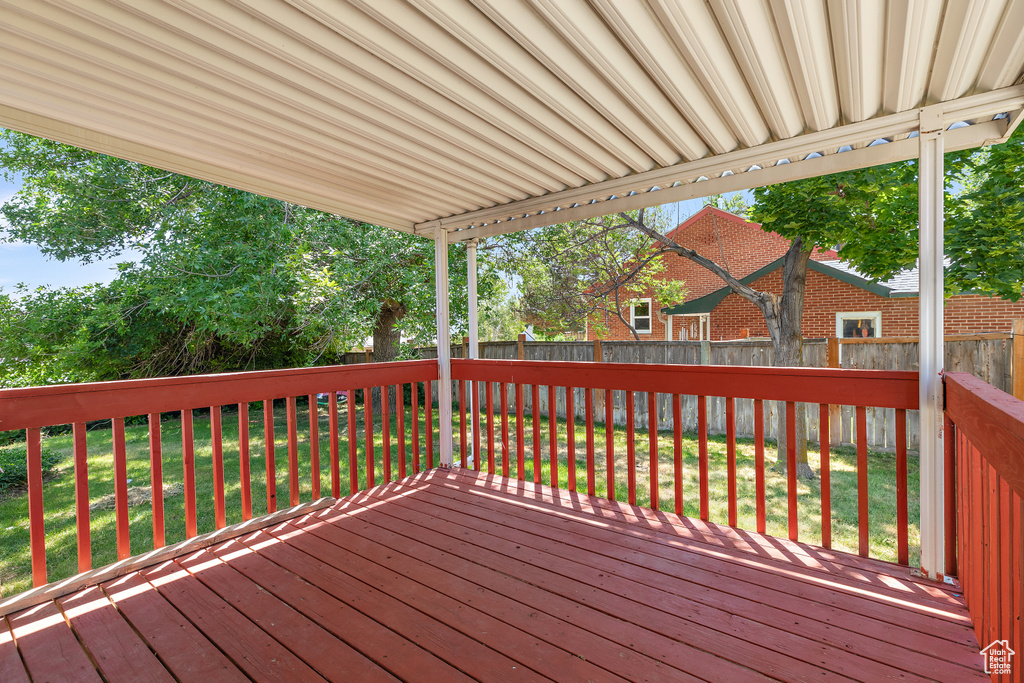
20	262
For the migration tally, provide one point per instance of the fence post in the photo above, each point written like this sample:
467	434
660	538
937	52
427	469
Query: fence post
1018	358
835	416
520	347
368	351
705	352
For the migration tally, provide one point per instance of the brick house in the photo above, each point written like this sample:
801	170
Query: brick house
839	301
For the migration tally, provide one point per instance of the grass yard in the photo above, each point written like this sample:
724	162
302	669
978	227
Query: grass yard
58	489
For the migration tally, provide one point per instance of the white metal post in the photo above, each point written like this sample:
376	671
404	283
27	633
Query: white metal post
668	327
444	346
930	222
474	341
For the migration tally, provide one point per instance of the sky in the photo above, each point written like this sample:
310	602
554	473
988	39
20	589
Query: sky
20	262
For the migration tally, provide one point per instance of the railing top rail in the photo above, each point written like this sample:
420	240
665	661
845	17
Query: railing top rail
876	388
32	407
993	420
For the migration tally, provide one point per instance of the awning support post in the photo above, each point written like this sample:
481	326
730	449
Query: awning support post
931	328
474	339
444	346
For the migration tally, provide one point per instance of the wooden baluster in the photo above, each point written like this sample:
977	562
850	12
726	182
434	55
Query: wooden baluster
332	416
314	446
535	395
652	448
474	404
570	436
609	443
826	476
428	424
36	530
385	429
588	404
245	478
189	465
293	452
730	449
121	489
949	479
400	408
702	456
552	437
504	429
520	435
677	451
791	469
489	402
353	466
268	440
217	446
630	450
416	427
902	542
462	424
82	492
862	479
371	454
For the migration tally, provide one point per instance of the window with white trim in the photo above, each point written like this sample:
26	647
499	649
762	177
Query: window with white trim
859	325
640	316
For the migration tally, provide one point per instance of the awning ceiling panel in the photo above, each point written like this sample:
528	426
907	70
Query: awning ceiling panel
484	116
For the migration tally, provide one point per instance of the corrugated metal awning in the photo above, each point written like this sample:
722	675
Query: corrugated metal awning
492	115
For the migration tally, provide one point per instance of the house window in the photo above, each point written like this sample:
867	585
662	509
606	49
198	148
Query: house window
640	316
859	325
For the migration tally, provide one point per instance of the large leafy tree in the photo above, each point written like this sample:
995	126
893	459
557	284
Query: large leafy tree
213	279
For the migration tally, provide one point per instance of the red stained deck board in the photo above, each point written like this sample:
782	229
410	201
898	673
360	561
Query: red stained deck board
251	650
12	670
119	652
830	562
712	629
48	647
379	643
332	659
450	645
476	658
481	609
186	652
606	640
677	572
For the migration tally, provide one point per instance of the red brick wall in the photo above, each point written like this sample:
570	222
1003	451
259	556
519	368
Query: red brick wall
826	296
722	237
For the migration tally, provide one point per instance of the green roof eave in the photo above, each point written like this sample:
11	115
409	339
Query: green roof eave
707	303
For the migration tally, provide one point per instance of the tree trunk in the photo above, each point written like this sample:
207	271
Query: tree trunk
788	343
386	338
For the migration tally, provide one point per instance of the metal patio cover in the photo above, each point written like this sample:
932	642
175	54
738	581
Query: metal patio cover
486	116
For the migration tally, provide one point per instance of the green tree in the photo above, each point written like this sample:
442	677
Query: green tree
216	278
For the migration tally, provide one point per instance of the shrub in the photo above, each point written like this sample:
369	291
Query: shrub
15	471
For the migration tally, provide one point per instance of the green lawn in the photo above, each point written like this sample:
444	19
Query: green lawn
58	490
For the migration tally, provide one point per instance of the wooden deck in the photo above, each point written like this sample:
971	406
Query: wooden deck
451	575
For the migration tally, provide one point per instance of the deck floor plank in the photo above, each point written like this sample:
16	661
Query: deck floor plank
770	651
578	647
49	647
183	649
12	669
333	660
390	650
117	649
456	576
701	581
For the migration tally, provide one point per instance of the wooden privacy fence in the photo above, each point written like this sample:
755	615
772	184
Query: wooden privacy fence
986	356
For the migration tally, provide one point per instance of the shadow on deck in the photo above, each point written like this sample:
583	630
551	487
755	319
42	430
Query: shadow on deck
452	575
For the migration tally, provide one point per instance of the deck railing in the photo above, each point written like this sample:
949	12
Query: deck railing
35	408
500	386
984	443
